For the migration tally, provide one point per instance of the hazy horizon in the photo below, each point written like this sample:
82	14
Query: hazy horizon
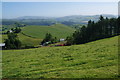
57	9
58	17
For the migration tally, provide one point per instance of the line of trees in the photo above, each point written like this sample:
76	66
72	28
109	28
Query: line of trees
103	28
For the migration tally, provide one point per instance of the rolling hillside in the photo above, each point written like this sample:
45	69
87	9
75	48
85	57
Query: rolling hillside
33	35
26	41
57	30
98	59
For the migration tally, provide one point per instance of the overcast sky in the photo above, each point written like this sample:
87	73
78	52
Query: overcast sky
58	9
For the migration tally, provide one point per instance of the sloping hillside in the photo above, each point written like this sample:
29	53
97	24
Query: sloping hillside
98	59
57	30
25	40
33	35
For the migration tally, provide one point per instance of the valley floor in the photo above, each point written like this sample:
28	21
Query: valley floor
98	59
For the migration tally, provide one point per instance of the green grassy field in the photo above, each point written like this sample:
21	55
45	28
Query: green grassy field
98	59
29	41
25	40
34	34
3	37
57	30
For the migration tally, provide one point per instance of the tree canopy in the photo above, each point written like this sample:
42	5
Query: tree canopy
12	42
96	30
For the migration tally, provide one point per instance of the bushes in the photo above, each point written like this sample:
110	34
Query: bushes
12	42
48	39
17	30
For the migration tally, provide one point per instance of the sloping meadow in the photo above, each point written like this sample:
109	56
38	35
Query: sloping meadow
98	59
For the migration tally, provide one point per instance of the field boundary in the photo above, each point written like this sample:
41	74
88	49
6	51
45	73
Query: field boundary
27	35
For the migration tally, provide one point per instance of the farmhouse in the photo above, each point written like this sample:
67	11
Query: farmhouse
10	31
62	39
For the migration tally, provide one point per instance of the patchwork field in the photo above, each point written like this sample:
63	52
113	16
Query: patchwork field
98	59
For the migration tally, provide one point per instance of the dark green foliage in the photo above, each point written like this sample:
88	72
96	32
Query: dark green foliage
12	42
49	38
17	30
93	31
118	25
69	40
8	32
55	40
12	36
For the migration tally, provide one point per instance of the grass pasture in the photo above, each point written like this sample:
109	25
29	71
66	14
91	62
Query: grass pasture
25	40
29	41
57	30
33	35
98	59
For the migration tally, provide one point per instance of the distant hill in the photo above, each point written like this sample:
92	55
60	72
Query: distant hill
67	20
34	17
81	19
57	30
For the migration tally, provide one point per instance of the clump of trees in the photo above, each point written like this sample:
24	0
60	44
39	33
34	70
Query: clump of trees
12	42
103	28
48	39
16	30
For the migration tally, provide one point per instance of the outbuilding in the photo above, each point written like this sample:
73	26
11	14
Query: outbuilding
62	39
2	45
